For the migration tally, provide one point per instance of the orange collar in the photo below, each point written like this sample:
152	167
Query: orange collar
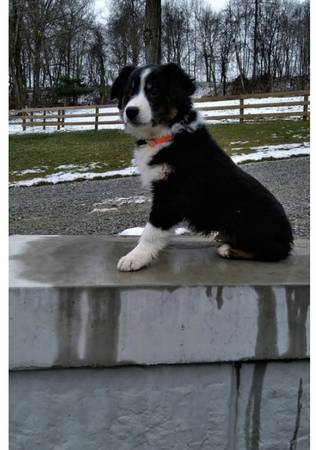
156	141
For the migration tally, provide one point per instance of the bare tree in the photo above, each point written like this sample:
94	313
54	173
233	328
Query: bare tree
225	49
255	37
125	32
39	17
16	44
152	32
98	54
251	45
209	34
174	29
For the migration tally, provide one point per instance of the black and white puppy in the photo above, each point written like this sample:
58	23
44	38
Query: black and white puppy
190	176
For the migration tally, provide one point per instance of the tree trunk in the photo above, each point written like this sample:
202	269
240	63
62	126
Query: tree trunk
152	32
255	36
36	75
240	68
16	55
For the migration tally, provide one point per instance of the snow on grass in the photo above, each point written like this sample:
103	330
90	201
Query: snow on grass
60	177
273	151
258	153
82	168
239	142
20	173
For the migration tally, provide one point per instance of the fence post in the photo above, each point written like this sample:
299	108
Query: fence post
63	118
96	119
24	122
241	110
305	107
58	120
44	120
31	117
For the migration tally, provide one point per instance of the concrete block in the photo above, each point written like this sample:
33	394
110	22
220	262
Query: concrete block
165	407
273	406
69	307
248	406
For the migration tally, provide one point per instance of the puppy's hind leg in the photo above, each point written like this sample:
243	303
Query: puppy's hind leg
228	252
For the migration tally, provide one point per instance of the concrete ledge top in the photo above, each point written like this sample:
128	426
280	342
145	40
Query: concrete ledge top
78	261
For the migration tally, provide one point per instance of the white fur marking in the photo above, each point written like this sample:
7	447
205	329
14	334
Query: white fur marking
224	251
143	156
190	127
140	101
150	243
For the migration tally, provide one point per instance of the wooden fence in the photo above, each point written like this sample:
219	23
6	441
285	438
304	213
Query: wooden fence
59	116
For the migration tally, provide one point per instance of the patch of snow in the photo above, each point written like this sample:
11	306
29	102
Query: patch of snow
81	167
120	201
283	146
60	177
181	230
67	166
103	210
274	151
20	173
137	231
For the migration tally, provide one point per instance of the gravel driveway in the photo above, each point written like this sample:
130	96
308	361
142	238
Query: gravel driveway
103	207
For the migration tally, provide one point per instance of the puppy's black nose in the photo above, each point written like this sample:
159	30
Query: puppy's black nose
132	112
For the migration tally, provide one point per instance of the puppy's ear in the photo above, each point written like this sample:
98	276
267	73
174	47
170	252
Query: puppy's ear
120	82
178	78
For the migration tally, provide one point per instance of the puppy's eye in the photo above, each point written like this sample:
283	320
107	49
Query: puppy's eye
154	92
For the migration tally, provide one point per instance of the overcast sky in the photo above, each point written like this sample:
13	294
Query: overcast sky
102	10
101	6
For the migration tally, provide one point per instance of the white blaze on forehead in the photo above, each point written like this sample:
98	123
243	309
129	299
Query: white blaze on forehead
140	101
143	78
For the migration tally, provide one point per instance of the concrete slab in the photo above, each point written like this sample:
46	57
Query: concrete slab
273	406
215	406
79	261
69	307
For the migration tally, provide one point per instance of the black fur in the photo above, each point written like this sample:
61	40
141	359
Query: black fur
120	84
212	193
205	187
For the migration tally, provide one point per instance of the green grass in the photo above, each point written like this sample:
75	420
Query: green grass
113	149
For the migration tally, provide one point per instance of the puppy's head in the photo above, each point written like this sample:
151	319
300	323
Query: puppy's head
152	97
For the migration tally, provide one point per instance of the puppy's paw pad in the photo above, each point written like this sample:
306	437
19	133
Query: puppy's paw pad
130	263
224	251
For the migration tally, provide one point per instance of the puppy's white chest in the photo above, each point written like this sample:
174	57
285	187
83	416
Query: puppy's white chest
148	173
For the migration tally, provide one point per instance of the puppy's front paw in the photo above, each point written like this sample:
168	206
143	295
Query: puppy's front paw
131	262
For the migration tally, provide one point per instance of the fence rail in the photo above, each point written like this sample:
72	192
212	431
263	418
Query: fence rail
58	117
